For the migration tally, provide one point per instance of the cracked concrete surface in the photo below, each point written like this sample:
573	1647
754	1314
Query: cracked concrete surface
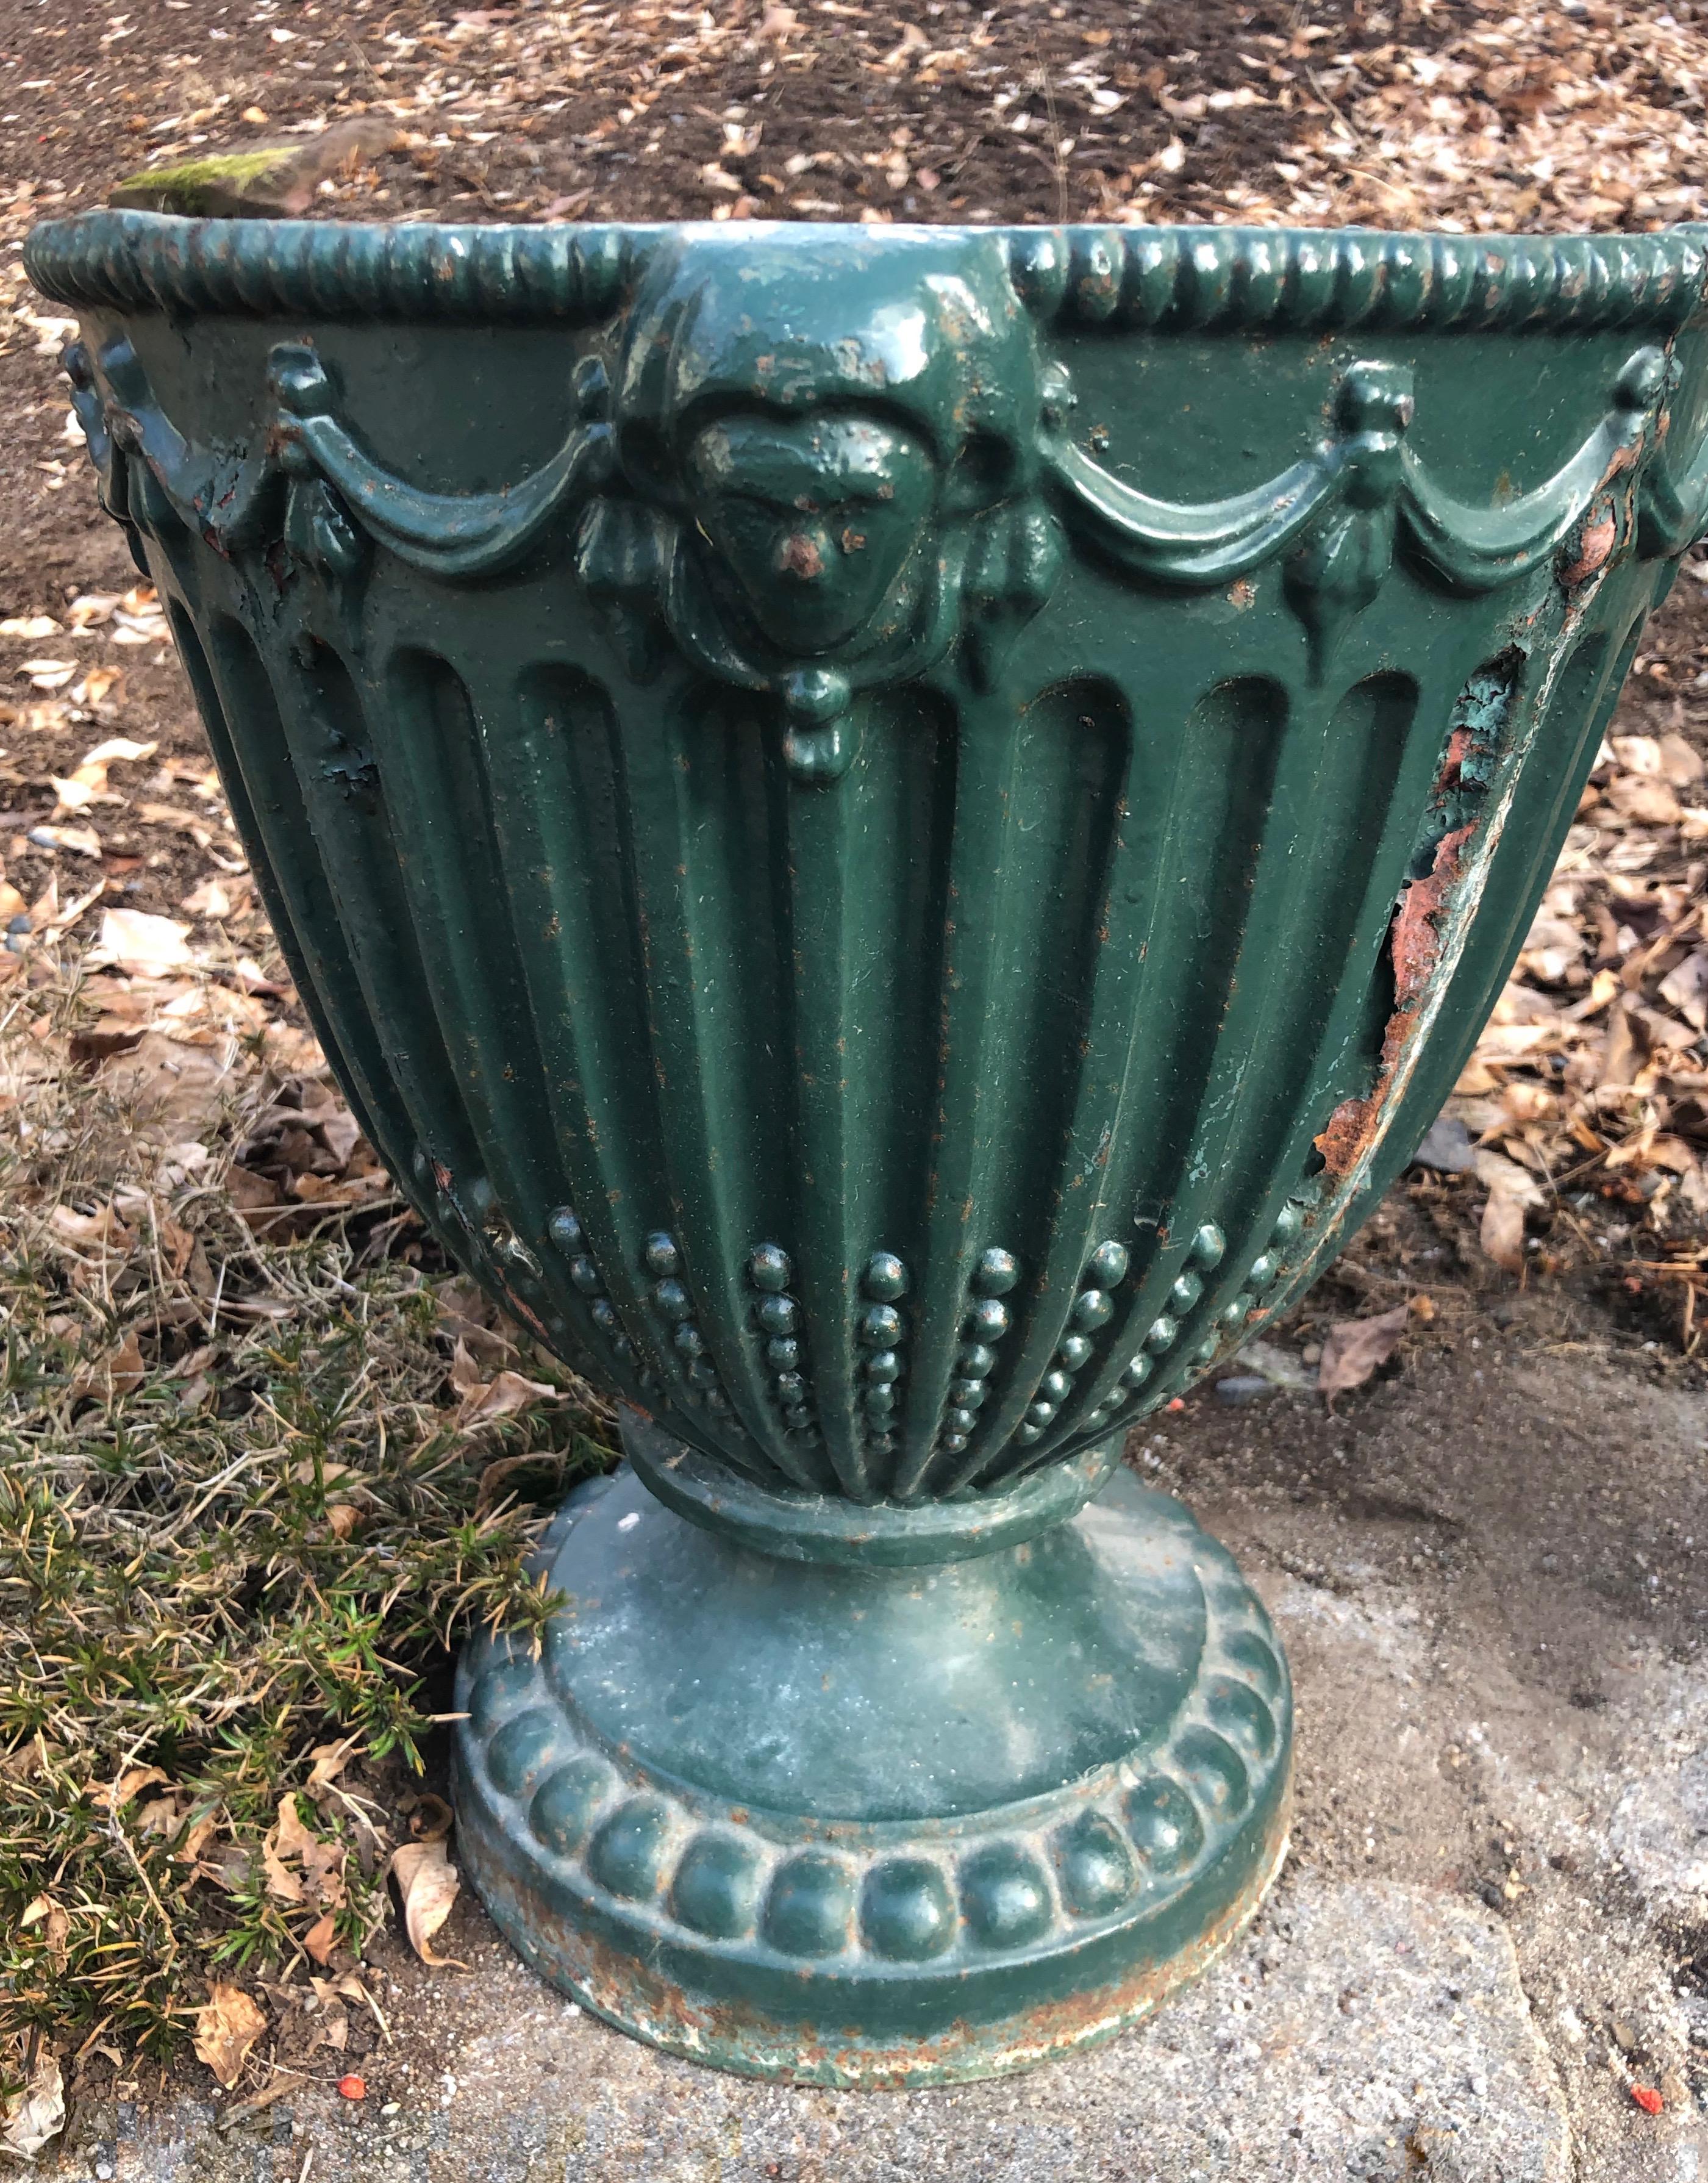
1494	1922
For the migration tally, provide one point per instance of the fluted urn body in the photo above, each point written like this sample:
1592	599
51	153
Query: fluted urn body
893	832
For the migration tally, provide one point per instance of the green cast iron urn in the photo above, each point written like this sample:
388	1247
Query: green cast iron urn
893	832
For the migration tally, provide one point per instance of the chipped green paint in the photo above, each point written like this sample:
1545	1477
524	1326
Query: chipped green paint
893	833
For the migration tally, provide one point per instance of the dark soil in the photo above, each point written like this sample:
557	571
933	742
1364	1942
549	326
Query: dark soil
823	110
521	119
518	112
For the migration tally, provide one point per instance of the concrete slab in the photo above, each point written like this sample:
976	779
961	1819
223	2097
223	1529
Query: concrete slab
1493	1924
1365	2026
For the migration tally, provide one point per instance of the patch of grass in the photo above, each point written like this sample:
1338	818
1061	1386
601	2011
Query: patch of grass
239	1530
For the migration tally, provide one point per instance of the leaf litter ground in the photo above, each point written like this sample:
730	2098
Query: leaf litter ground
263	1457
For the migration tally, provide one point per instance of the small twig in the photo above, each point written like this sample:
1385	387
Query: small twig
1323	99
1060	159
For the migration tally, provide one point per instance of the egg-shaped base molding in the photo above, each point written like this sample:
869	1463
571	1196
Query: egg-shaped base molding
877	1826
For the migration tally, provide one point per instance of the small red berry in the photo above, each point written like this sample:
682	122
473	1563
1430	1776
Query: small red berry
353	2087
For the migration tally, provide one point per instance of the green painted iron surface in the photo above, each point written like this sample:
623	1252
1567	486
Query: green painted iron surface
894	834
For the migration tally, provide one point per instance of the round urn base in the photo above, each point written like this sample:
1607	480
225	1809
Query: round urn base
862	1825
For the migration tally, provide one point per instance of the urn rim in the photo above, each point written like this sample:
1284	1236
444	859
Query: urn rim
1168	278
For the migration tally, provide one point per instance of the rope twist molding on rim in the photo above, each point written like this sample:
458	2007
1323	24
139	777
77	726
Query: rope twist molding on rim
1231	278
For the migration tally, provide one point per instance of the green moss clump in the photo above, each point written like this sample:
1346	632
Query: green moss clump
218	183
220	166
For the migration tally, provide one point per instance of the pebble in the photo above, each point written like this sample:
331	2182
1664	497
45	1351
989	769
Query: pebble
1447	1147
1239	1388
1278	1365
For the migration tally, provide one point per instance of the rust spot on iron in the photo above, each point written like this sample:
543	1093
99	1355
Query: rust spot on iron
1596	543
800	556
1414	948
528	1317
1415	944
638	1994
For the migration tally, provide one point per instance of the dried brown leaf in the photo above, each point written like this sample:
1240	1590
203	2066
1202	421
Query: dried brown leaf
1685	988
113	1796
330	1760
1353	1348
1513	1189
1681	763
97	1231
1502	1231
294	1839
1645	798
36	2113
121	1371
322	1937
427	1881
320	1858
195	1842
282	1883
55	1924
505	1397
136	942
175	1088
226	2028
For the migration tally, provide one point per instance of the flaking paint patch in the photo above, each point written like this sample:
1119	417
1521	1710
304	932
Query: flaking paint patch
1414	951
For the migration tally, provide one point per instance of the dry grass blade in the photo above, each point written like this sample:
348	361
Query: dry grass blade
240	1516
